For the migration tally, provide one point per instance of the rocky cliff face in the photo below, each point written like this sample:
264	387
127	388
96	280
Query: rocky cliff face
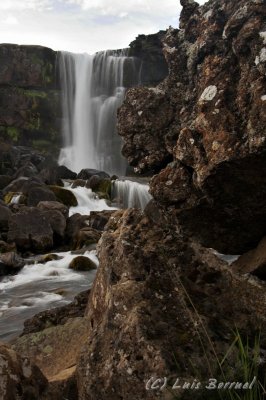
29	97
208	118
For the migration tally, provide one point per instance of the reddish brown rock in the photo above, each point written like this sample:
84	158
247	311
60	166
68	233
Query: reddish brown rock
216	133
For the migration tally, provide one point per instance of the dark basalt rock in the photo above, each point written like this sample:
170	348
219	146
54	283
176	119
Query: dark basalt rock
148	51
87	173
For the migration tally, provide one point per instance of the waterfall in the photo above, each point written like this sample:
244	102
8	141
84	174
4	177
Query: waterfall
92	91
130	194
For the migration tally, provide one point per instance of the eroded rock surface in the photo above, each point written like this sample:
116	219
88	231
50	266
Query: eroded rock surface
214	123
156	302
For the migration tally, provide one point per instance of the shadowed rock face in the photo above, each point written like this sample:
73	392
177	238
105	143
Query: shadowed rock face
214	128
142	321
29	97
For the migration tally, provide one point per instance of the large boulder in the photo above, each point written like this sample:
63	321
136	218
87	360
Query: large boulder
56	348
157	303
64	196
19	379
31	230
213	125
5	214
82	263
39	193
53	205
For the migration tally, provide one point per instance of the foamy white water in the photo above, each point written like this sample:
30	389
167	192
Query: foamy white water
92	91
39	287
87	201
130	194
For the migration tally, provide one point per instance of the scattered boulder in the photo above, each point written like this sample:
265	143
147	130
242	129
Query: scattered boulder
64	196
99	219
78	183
38	194
12	261
85	237
5	214
101	186
4	181
19	378
53	206
63	172
7	247
87	173
29	229
57	222
82	263
74	224
27	170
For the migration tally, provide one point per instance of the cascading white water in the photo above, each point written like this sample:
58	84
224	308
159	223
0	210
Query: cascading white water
92	91
130	194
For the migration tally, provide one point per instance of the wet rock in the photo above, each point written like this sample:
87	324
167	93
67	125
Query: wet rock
88	173
64	196
57	222
19	377
38	194
4	181
74	224
57	316
6	247
12	261
28	170
82	263
5	214
99	219
63	172
78	183
53	206
29	229
86	237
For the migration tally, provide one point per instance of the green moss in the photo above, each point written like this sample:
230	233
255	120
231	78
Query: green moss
13	133
103	189
64	196
47	73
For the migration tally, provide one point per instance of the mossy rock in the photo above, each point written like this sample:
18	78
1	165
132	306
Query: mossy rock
103	189
64	196
82	263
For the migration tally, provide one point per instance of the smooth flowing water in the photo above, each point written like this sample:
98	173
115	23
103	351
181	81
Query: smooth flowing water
130	194
92	91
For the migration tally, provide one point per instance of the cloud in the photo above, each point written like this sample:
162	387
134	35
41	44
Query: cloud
84	25
20	5
10	20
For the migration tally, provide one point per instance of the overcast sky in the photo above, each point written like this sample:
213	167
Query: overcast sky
84	25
